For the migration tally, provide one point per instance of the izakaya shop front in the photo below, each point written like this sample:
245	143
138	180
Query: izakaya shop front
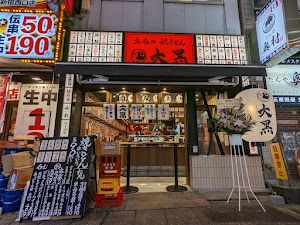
154	89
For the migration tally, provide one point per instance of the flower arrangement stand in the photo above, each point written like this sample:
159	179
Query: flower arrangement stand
240	175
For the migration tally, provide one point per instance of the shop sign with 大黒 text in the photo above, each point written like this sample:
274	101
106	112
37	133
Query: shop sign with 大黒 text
260	105
159	48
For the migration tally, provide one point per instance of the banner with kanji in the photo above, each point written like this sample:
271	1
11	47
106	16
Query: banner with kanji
161	48
37	110
278	162
3	85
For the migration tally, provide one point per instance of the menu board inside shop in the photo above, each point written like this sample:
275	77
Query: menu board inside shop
28	35
92	46
220	49
159	48
60	179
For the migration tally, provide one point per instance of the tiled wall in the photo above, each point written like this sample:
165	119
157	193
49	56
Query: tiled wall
154	171
214	172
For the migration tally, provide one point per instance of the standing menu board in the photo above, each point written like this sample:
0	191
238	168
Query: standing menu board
60	179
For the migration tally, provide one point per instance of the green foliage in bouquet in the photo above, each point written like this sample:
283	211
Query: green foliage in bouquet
233	121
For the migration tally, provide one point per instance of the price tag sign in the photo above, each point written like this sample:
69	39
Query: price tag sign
28	35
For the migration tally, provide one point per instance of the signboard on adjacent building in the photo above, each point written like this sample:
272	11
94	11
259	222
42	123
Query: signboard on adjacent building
69	5
260	105
271	30
30	36
284	80
279	165
37	110
23	4
4	79
220	49
14	91
159	48
89	46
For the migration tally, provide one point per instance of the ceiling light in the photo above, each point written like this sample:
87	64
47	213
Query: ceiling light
123	89
144	89
197	95
102	88
197	99
165	89
114	96
36	78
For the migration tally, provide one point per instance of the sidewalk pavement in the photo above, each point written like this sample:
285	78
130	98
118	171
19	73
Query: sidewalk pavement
186	208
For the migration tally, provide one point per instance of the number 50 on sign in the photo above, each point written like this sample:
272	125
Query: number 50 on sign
28	35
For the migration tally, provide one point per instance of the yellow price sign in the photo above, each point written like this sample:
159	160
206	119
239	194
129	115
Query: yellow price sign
279	165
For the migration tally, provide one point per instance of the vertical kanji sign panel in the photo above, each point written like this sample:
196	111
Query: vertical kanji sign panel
159	48
278	162
37	110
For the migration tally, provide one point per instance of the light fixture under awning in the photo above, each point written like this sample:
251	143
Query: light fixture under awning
14	65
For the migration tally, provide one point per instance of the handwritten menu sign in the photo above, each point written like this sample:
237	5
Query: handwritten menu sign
59	179
161	48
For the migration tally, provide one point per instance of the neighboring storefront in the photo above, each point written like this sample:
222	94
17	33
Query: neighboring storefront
284	82
30	42
155	87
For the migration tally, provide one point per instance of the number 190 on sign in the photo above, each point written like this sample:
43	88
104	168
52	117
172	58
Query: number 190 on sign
27	35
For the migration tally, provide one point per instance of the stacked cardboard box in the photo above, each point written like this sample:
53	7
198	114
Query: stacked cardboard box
19	166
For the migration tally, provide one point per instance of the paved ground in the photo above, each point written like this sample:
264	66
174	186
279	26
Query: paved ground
189	208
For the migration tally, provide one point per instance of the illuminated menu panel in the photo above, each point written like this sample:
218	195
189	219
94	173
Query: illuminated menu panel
89	46
221	49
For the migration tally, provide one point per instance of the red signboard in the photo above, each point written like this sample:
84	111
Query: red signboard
69	5
159	48
3	84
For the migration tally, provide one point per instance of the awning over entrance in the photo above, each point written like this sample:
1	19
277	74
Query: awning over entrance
13	65
145	71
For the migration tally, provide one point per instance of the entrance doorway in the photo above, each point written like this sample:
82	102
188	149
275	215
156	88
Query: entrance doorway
151	120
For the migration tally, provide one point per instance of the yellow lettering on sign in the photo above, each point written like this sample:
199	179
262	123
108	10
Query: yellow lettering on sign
278	162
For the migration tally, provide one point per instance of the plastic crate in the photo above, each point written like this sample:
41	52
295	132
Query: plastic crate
108	186
110	166
110	199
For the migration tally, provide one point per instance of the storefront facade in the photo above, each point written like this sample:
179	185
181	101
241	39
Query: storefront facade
283	82
186	67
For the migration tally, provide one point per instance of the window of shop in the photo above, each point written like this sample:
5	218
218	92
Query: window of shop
143	115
